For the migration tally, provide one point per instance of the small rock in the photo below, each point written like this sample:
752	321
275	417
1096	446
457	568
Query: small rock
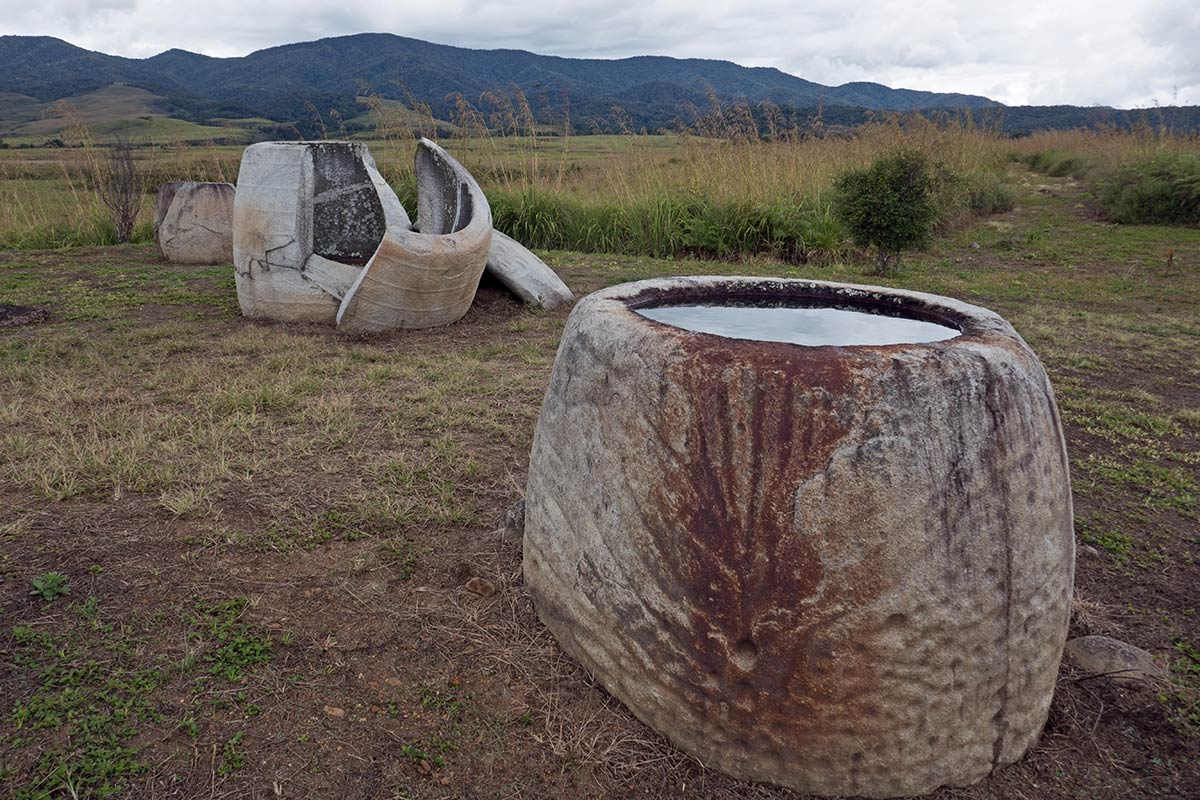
1120	661
394	682
424	767
334	711
481	586
445	781
976	245
512	527
1087	549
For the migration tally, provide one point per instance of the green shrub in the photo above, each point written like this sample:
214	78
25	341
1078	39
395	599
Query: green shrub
1060	163
988	195
1161	189
889	206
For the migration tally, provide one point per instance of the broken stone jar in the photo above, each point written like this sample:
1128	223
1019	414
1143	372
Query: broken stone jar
826	544
320	236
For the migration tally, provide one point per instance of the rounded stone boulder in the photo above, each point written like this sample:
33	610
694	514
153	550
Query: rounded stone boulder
845	568
193	222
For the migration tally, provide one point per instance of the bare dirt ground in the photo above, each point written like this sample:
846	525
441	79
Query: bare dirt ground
278	566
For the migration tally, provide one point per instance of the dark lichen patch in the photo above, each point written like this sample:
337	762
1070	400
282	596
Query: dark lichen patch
348	221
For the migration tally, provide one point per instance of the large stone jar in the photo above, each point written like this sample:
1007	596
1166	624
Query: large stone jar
844	569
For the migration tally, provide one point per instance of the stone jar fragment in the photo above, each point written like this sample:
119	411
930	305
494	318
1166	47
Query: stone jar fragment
426	277
526	275
843	569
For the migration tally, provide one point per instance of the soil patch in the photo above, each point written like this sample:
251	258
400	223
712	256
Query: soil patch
12	316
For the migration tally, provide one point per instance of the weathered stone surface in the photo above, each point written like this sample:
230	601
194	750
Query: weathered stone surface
348	220
847	570
273	233
1120	661
193	222
319	236
426	278
526	275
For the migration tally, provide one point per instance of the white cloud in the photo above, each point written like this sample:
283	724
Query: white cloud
1023	51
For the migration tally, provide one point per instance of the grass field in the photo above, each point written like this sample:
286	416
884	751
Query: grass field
667	195
267	530
651	195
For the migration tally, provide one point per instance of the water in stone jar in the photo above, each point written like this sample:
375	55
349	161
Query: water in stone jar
811	326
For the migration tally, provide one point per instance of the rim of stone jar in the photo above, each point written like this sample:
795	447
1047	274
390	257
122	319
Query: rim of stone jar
973	322
312	142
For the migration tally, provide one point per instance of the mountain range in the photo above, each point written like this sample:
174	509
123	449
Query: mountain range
281	88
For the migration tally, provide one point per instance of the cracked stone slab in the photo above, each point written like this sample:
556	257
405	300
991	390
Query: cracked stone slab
526	275
845	570
334	277
193	222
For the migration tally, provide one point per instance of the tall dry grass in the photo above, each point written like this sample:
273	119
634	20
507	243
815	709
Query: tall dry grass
1145	175
716	197
52	197
1108	146
732	181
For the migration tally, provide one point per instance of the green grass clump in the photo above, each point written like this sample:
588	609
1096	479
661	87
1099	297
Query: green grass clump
233	756
1060	163
671	223
1160	189
238	647
1116	544
95	232
83	711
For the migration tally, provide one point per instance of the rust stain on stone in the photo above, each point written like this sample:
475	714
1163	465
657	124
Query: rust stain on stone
758	420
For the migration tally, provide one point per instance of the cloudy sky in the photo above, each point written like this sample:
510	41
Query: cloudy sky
1125	53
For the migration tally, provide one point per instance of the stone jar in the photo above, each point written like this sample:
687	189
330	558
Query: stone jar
843	569
193	222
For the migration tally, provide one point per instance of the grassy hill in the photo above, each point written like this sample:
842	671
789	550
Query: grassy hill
294	85
110	112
